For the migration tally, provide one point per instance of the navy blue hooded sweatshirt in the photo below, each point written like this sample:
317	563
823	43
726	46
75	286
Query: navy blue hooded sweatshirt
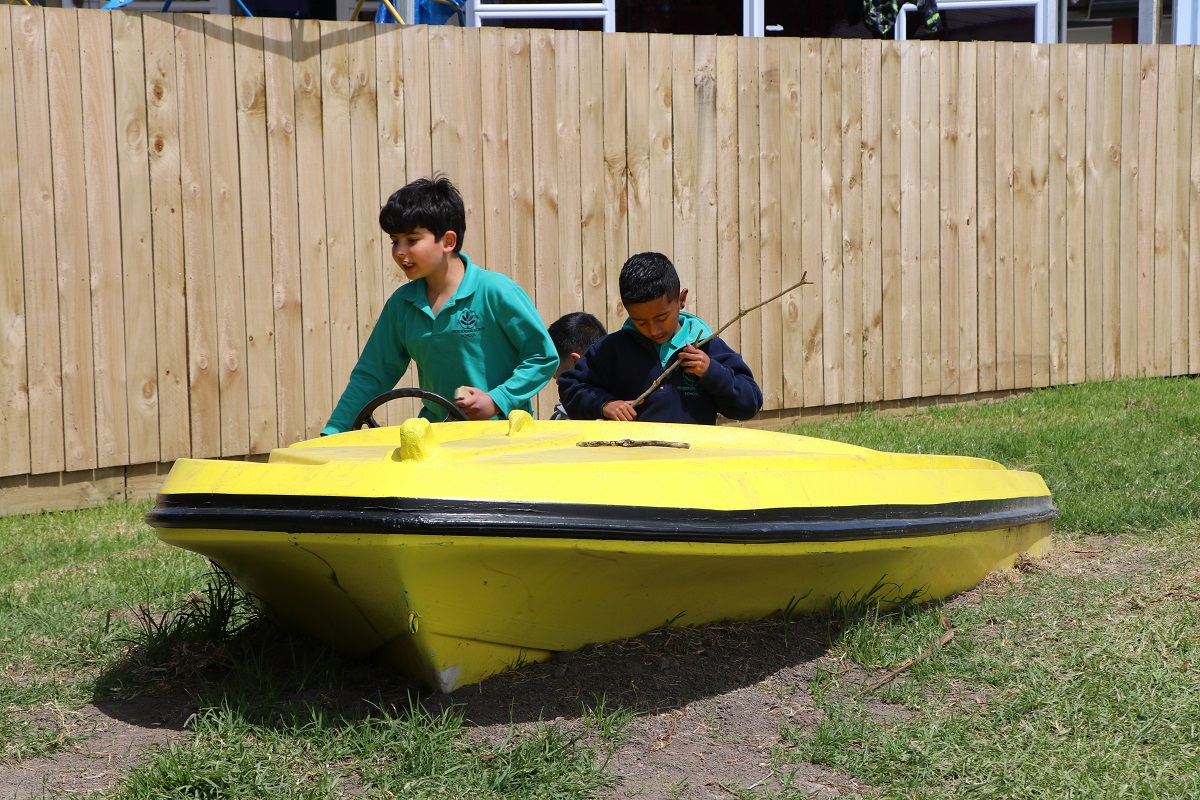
623	364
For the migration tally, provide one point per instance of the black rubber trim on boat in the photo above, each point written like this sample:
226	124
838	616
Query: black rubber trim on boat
374	515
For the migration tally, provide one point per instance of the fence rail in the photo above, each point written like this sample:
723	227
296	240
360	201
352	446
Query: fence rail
190	259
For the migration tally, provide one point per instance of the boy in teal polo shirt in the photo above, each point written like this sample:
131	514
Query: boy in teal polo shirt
475	335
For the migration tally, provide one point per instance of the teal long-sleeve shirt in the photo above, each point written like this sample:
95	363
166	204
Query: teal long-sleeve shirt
488	335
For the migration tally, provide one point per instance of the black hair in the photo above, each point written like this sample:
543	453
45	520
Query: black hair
575	333
431	203
646	277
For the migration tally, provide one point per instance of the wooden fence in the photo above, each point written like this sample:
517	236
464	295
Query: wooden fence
190	259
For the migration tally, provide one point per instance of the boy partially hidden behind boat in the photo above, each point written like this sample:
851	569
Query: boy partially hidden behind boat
573	334
711	378
475	335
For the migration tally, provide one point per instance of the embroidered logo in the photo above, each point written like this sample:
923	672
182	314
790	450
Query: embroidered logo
468	320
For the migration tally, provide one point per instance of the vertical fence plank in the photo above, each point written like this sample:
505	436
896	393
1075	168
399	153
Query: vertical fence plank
930	181
851	209
199	274
985	216
315	310
546	257
953	154
1127	345
494	135
831	219
569	194
1039	234
1185	154
1097	160
770	270
1163	212
1056	188
38	245
910	218
1005	209
683	151
285	235
250	73
1147	244
968	244
74	290
569	190
595	267
1078	121
1193	324
520	159
550	283
637	141
470	155
616	177
728	285
749	203
791	201
1182	241
1113	323
344	330
371	259
812	211
136	254
872	216
704	194
660	197
227	250
418	146
14	376
104	244
1025	225
890	188
162	126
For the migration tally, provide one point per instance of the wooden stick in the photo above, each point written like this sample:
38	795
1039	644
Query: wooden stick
659	380
635	443
947	636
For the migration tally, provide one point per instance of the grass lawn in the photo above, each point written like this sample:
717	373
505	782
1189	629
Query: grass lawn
1074	676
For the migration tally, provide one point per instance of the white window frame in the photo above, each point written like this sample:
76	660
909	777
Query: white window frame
478	13
1186	22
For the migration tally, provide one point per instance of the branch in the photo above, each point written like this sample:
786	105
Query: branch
659	380
635	443
946	637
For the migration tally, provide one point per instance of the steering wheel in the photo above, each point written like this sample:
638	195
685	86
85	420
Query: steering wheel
366	416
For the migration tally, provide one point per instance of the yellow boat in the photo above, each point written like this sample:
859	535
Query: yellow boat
459	550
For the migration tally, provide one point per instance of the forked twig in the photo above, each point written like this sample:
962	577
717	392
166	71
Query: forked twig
659	380
946	637
634	443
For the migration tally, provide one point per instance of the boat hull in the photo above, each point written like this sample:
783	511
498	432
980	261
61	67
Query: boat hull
454	589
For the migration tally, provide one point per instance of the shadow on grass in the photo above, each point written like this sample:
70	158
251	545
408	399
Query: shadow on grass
216	651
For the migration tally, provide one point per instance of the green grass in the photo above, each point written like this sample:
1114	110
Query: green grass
1075	677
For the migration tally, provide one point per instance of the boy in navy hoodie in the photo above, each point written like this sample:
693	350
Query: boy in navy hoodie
711	378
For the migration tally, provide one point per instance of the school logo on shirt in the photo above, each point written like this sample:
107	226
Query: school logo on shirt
468	323
690	385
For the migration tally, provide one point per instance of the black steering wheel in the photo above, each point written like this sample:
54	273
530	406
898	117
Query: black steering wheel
366	416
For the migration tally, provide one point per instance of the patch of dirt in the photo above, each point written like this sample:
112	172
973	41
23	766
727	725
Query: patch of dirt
99	748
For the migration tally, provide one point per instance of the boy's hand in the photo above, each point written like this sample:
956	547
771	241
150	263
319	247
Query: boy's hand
475	403
620	410
694	360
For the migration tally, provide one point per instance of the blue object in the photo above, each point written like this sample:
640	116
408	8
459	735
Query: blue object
383	16
435	12
114	4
